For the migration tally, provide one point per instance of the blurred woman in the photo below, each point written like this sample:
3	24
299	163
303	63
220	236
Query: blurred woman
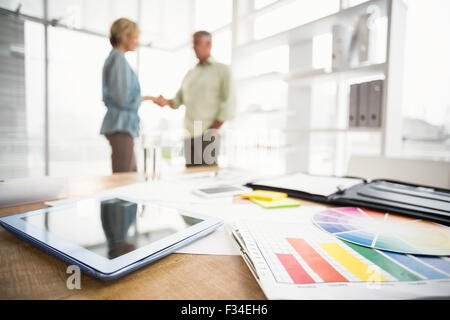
122	96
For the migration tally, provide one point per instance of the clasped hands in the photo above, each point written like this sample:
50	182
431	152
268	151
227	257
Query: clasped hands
160	101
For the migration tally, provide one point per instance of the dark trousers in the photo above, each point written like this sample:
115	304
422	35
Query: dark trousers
122	156
198	151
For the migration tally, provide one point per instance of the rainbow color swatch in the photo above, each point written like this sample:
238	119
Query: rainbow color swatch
385	231
301	254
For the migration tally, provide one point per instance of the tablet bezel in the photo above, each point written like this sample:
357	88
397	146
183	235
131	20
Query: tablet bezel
93	260
239	190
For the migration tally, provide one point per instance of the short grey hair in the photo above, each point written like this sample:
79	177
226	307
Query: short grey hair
203	34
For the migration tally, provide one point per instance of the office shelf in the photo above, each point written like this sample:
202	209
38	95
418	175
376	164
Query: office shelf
272	112
323	74
305	93
269	76
309	30
334	130
318	74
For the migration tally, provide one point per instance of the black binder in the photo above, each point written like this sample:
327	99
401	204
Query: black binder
390	196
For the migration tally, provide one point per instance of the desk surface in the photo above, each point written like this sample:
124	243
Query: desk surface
28	273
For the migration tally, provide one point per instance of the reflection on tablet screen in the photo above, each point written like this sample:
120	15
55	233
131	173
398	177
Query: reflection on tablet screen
112	227
220	190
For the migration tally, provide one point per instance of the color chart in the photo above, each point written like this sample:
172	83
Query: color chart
385	231
301	255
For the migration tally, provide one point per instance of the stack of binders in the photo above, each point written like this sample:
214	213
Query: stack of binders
366	101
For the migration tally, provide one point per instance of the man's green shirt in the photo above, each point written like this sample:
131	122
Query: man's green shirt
206	91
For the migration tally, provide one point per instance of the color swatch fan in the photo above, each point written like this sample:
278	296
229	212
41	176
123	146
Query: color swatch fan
385	231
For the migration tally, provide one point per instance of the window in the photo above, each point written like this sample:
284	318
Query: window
263	65
211	15
221	46
21	99
85	14
34	93
30	7
76	109
173	24
426	96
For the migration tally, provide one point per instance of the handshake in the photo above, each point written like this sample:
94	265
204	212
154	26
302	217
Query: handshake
160	101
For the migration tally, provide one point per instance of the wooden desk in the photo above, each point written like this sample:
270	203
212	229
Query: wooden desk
28	273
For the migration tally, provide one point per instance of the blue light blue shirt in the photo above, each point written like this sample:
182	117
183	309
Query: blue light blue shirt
121	95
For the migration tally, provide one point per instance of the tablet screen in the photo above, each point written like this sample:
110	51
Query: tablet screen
112	227
222	189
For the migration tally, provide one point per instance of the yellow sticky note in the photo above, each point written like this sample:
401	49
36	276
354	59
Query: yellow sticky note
265	195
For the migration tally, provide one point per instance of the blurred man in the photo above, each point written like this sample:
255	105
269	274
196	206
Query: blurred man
206	93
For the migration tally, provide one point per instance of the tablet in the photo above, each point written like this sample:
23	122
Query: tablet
221	191
109	237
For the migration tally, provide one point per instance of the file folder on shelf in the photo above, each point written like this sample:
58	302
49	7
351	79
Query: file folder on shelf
375	103
353	106
363	104
381	195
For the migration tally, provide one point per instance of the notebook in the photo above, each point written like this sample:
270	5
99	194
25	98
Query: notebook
380	195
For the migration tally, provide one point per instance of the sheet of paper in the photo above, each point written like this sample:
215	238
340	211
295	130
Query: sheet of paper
220	241
161	192
320	185
19	191
300	261
211	178
174	188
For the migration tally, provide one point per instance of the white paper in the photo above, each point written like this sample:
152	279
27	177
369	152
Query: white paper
20	191
176	188
161	192
320	185
264	240
220	241
224	176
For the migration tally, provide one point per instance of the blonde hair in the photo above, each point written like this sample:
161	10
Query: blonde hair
121	28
